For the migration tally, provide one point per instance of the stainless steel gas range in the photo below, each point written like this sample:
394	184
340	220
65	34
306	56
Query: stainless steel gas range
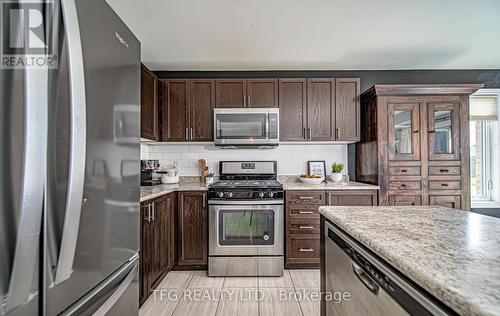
246	220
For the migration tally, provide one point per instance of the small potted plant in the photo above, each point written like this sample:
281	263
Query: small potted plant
210	178
336	175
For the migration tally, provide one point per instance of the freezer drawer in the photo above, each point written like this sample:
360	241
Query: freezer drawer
117	295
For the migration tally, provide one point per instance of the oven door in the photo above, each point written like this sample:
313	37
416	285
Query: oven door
246	127
246	229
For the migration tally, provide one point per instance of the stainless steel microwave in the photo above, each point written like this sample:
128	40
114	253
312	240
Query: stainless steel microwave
246	127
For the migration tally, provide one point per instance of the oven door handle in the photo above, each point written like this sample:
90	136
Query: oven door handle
246	202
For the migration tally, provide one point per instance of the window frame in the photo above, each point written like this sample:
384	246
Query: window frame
489	200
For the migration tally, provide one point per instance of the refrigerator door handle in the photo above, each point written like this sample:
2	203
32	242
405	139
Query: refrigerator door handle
77	154
25	257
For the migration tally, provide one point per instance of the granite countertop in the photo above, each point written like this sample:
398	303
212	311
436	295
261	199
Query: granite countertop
290	185
453	254
151	192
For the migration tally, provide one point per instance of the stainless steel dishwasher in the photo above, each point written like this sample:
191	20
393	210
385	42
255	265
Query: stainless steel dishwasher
374	287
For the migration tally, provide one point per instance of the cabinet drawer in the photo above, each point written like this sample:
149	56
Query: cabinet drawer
304	247
452	201
404	171
444	185
443	171
303	212
405	200
405	185
304	226
305	198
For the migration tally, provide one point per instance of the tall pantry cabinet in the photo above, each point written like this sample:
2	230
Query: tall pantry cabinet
415	144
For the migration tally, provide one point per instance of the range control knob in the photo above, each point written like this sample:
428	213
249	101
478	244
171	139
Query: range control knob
220	194
271	194
261	194
229	194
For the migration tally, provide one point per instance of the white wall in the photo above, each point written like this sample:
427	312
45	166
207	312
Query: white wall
292	159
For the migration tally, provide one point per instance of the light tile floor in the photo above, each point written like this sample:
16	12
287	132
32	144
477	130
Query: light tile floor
184	293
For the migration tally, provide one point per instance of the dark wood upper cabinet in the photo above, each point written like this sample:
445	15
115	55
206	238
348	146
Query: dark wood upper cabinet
175	102
403	130
201	109
314	109
444	130
262	93
192	229
149	105
230	93
321	109
293	109
347	109
187	107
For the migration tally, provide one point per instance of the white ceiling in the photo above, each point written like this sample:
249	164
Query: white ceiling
315	34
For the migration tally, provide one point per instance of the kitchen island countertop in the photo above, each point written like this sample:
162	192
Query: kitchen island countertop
453	254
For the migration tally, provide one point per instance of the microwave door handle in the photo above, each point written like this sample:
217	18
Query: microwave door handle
267	126
32	192
77	154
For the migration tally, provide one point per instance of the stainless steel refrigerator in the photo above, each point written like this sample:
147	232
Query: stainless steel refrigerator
69	170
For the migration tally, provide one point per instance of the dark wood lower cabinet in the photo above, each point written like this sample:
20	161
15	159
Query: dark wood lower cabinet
157	253
302	222
192	246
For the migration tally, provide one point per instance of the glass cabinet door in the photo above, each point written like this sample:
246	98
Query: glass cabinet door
444	131
403	131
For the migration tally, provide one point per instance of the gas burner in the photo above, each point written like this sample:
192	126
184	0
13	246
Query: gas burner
245	180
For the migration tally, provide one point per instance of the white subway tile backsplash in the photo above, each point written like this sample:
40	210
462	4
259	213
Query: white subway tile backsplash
292	159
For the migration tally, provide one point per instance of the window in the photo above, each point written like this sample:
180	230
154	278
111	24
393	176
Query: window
484	149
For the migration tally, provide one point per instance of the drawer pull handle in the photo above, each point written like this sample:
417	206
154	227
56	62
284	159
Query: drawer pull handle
306	197
306	212
403	185
404	170
306	227
444	184
444	170
306	249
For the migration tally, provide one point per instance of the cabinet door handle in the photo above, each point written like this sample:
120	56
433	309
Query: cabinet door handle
306	227
244	101
204	200
191	133
153	211
444	184
417	131
187	133
306	249
404	170
337	133
304	133
306	197
248	101
403	185
306	212
310	133
148	219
